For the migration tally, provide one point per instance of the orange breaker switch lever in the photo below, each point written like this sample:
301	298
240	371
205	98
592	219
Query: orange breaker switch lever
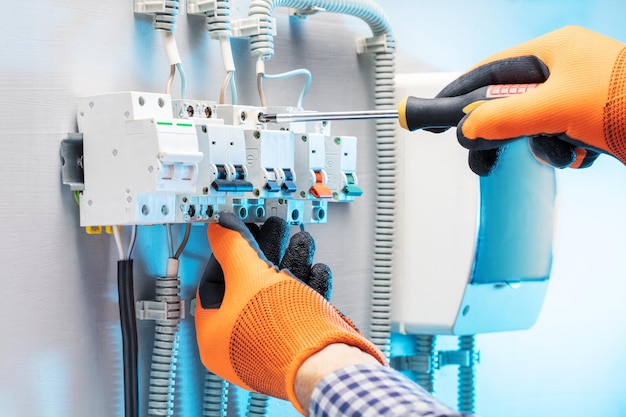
319	190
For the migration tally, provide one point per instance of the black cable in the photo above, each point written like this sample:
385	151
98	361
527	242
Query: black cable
129	337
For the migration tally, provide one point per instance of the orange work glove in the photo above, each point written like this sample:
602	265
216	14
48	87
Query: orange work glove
268	322
578	112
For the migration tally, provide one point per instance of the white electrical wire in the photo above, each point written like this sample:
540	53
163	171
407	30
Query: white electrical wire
225	84
171	49
131	244
170	79
166	23
118	242
233	89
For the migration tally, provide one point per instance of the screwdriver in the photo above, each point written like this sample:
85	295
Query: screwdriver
413	112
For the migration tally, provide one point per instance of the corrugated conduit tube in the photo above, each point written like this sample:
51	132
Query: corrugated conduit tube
262	47
165	350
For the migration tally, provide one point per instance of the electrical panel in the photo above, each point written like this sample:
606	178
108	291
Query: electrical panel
148	159
473	254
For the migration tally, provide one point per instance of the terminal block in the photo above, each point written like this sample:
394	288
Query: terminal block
290	210
249	210
244	116
197	208
341	158
198	110
315	211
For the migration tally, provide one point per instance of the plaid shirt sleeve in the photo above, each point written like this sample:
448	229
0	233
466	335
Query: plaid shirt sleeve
373	390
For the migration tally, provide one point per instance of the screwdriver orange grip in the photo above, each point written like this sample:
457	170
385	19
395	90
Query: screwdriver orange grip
444	112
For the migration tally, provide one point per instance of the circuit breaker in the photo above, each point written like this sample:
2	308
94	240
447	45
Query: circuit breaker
148	159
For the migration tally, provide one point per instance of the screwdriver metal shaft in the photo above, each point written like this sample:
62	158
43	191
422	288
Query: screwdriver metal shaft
315	117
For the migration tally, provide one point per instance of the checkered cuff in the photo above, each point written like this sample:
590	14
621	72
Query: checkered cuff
373	390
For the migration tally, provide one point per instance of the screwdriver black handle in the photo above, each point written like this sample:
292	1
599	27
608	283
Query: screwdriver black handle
444	112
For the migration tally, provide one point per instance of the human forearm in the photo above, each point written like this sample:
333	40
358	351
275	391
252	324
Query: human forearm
328	360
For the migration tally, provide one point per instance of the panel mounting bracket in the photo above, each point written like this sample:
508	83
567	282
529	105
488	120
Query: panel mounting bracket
72	173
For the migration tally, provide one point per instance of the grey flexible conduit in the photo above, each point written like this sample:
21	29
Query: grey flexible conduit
425	354
467	375
165	350
261	46
258	405
215	396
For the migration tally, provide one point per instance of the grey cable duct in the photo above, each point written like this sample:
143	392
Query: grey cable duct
262	46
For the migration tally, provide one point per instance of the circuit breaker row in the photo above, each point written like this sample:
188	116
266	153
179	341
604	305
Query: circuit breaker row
148	160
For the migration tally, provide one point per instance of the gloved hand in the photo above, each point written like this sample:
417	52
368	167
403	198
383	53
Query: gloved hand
578	112
255	323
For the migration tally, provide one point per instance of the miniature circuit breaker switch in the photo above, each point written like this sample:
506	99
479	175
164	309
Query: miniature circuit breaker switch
137	157
270	159
341	159
310	161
